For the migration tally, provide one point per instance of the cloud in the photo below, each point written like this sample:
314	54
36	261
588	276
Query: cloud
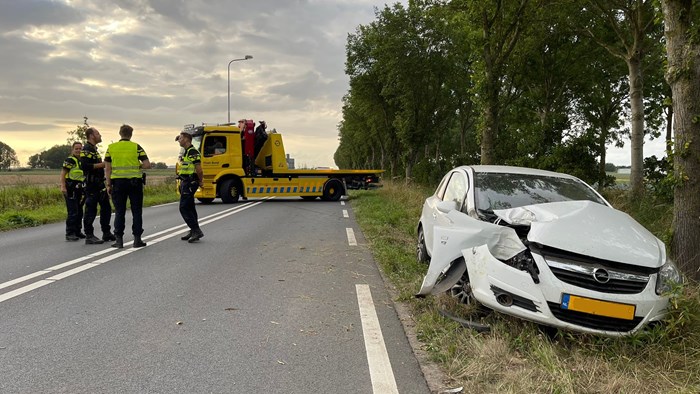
160	64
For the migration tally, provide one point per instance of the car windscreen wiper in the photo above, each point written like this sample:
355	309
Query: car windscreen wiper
487	214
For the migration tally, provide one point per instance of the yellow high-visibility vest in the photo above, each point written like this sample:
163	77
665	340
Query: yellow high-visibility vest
125	159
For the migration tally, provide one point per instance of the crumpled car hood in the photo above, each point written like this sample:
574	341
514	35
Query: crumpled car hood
589	229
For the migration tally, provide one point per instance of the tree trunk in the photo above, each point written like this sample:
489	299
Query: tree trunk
637	122
601	150
669	131
683	75
490	126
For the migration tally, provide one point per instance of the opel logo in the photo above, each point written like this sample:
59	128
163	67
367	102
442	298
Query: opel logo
601	275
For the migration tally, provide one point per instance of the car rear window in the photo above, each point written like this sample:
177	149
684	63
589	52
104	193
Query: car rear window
505	191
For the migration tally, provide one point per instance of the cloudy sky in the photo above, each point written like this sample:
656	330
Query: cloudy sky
160	64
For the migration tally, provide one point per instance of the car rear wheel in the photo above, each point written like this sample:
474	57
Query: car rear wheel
421	250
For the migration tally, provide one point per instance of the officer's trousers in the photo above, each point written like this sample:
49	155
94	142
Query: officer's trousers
187	208
93	198
74	207
131	189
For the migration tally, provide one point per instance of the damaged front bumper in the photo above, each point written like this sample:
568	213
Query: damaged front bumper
553	302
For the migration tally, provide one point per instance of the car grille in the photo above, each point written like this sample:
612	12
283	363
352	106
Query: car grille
597	276
593	321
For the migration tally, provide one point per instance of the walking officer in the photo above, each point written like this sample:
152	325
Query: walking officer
123	162
95	190
72	179
191	176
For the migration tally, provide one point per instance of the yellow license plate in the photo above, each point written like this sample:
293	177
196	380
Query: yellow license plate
597	307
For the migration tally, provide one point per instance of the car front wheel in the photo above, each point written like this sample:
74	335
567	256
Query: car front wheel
462	292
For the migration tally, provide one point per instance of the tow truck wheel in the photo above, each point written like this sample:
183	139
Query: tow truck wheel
206	200
333	190
230	191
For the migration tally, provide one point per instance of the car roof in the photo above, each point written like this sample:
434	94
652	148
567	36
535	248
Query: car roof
514	170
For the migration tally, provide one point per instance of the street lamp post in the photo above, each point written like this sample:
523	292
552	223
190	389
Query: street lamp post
228	77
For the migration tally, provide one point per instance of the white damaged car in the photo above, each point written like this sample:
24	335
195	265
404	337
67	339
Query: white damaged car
544	247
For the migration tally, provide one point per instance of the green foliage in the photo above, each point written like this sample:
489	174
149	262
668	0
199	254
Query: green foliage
51	158
610	167
78	134
8	157
658	174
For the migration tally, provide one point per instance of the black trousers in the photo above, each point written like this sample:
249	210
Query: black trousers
131	189
93	198
187	208
74	207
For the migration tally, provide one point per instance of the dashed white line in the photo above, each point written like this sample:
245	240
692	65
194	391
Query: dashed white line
342	203
351	237
169	233
345	213
380	371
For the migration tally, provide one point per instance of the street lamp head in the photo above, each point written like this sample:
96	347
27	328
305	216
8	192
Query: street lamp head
248	57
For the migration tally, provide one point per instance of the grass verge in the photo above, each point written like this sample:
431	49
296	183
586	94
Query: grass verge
30	205
518	356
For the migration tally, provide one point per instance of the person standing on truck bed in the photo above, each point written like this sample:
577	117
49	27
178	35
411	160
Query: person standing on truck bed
95	190
123	162
191	177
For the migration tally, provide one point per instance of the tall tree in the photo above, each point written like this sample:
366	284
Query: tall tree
682	31
496	27
8	157
633	22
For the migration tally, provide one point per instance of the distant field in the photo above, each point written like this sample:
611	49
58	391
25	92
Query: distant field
51	177
620	178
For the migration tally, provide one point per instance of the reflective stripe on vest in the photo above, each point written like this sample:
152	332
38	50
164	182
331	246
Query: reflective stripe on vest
125	160
76	172
186	164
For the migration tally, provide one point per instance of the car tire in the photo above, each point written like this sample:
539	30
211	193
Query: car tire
462	292
421	249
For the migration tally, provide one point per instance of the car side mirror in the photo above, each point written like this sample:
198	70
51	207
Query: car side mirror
446	206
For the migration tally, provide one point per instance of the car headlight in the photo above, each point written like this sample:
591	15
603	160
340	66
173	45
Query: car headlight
667	277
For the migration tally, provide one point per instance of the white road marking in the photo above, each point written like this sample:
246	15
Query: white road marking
351	237
345	213
342	203
380	371
120	252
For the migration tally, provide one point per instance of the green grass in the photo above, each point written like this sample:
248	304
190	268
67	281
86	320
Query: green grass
27	205
516	356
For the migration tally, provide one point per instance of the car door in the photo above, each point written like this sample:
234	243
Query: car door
453	189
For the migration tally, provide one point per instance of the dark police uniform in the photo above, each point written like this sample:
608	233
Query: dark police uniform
189	182
95	193
74	197
126	179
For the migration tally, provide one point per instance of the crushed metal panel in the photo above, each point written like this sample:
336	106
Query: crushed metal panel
465	232
589	229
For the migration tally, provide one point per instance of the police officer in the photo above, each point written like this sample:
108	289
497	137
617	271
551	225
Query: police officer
95	190
191	176
72	179
123	161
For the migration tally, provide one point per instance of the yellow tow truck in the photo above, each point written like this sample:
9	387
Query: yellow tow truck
233	169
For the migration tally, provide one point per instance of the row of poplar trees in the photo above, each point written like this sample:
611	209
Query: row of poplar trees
537	83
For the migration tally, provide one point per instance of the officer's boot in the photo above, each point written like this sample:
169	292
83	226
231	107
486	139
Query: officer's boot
138	243
119	244
93	240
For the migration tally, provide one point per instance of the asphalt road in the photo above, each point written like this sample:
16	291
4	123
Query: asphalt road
276	298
